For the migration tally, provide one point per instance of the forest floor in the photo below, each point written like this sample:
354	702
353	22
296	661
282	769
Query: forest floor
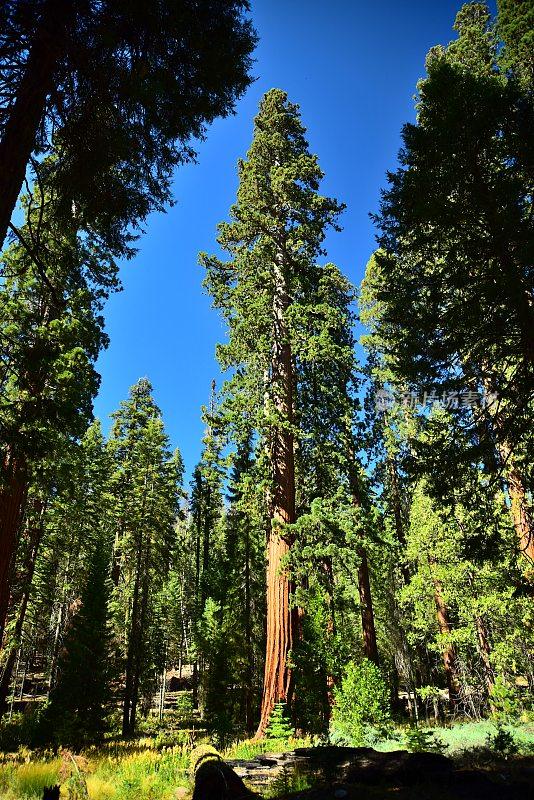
158	767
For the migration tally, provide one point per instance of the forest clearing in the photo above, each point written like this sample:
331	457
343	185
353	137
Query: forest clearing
322	587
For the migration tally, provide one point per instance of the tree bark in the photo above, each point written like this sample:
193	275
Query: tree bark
13	492
370	647
366	606
282	619
519	507
449	653
198	536
27	112
249	657
34	542
131	654
484	649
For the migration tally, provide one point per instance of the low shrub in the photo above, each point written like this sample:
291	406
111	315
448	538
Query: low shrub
502	742
418	740
361	712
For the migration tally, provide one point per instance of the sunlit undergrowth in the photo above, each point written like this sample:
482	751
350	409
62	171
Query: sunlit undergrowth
109	773
144	769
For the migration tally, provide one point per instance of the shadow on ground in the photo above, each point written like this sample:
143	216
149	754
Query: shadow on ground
347	773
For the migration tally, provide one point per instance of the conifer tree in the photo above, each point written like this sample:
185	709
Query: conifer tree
52	332
455	232
66	515
268	293
133	82
146	491
78	701
206	516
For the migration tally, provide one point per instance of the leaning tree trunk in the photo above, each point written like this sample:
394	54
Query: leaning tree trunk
282	619
27	112
13	491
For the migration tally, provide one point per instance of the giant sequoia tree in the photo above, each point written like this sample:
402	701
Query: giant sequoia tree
277	228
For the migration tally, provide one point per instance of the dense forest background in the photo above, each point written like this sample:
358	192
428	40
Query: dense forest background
357	541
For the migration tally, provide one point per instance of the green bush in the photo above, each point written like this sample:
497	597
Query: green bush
502	742
184	705
279	725
418	740
361	710
23	729
504	700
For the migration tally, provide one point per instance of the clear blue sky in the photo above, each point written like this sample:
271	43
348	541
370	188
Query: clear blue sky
352	65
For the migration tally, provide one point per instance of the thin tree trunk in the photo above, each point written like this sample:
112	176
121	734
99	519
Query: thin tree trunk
23	681
13	492
14	691
282	619
366	606
55	646
163	683
249	653
63	607
35	540
138	650
130	655
198	535
449	653
27	112
116	560
484	649
364	586
519	507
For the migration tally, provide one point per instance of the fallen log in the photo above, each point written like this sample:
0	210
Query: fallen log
216	780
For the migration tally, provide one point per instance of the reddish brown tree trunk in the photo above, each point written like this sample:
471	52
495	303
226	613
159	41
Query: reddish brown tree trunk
449	653
13	491
282	619
520	511
366	606
26	113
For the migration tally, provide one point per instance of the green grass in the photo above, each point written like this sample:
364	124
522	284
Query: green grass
466	736
143	769
250	748
109	773
25	781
